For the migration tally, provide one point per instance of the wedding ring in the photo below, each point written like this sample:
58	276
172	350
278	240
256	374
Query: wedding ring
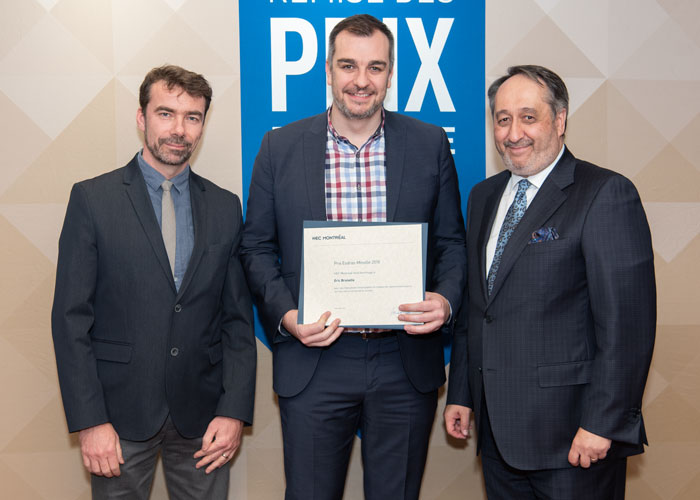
224	455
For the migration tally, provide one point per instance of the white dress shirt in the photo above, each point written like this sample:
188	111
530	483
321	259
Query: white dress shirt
507	198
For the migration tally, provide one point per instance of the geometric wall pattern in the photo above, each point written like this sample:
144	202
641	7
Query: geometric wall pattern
69	74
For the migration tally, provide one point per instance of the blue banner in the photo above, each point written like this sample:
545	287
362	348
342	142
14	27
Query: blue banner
438	72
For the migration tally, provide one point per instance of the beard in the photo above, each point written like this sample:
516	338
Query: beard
170	157
537	161
349	114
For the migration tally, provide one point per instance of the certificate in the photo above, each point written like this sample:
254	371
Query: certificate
361	272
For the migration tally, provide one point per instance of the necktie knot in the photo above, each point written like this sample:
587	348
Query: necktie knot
522	186
166	185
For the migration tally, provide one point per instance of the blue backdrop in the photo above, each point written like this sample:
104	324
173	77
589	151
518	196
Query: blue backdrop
438	75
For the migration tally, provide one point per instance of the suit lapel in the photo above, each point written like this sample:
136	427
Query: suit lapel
141	201
199	218
548	199
395	144
315	166
488	215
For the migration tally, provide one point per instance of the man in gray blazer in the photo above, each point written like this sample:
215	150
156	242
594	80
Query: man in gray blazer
553	343
152	319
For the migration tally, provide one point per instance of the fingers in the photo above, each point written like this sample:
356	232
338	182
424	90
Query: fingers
457	421
101	450
588	448
207	439
120	456
318	334
224	438
427	327
113	464
216	458
225	457
432	313
573	457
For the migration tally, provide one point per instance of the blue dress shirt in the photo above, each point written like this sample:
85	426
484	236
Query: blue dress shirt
184	227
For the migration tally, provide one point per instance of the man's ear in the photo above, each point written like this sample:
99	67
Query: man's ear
141	120
560	122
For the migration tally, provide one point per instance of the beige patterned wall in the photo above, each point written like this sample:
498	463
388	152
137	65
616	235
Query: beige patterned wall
69	72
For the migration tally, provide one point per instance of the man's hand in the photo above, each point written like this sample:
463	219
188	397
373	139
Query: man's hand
588	448
313	334
432	312
219	443
101	450
458	421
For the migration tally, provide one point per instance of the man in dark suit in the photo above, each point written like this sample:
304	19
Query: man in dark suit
356	162
554	340
152	318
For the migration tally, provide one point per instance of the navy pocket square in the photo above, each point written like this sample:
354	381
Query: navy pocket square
544	234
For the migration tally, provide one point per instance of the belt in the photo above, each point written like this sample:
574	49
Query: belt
372	335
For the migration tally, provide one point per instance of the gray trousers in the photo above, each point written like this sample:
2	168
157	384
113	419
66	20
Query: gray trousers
183	481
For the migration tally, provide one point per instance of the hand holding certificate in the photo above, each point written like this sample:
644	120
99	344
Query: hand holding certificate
361	272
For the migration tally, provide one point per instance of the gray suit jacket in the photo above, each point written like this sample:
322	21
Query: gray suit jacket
129	348
566	337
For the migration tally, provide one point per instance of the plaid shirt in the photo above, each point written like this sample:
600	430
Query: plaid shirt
355	178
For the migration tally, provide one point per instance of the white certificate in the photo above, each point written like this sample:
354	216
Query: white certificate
361	272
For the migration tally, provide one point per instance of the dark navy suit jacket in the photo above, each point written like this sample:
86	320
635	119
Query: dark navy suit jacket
288	187
566	337
129	348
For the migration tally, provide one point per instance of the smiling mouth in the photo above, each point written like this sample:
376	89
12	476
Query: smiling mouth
519	144
360	95
179	144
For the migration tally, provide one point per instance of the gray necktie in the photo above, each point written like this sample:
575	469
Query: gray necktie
513	216
167	223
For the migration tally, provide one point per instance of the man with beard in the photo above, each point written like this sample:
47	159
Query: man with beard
355	162
553	343
152	319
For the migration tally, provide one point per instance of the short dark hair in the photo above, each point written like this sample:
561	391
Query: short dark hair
175	76
361	25
558	95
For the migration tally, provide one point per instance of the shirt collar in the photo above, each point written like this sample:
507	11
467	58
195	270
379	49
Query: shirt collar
339	138
537	179
154	178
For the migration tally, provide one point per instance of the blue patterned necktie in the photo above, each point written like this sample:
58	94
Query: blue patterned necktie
513	216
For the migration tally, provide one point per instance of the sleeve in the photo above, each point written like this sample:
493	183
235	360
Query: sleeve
620	271
260	248
458	391
72	316
450	269
238	337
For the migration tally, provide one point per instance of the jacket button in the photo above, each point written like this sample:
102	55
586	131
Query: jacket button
178	308
174	351
488	318
479	368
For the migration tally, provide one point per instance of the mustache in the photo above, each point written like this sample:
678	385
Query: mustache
175	141
355	89
518	144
